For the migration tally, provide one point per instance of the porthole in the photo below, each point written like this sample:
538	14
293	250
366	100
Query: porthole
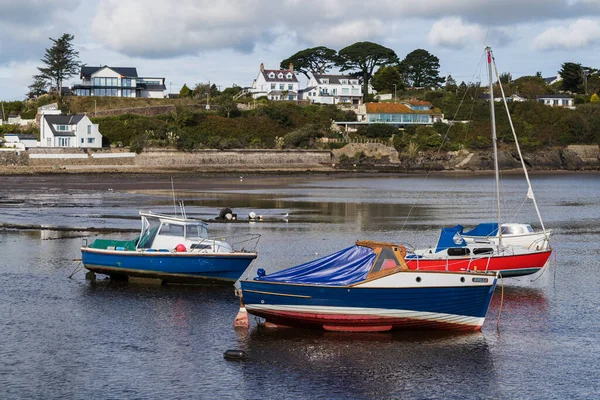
262	302
418	279
462	279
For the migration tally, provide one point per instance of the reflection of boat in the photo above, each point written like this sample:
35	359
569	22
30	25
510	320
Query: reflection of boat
368	287
485	247
172	249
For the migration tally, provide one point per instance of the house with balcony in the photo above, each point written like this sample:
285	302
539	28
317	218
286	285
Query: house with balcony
401	115
332	89
276	84
118	82
69	131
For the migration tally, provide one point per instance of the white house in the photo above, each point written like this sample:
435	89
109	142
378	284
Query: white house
557	100
117	82
21	141
332	89
69	131
276	84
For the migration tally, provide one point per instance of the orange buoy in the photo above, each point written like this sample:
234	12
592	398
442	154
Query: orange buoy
180	248
241	319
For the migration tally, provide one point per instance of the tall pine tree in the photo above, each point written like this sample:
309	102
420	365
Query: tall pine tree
61	62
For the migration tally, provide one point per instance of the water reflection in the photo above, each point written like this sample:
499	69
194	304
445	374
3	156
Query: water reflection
326	365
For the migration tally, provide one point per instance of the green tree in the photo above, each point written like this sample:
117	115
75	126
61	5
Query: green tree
38	87
227	106
316	60
531	86
60	62
421	69
505	78
202	90
363	57
572	76
185	91
386	77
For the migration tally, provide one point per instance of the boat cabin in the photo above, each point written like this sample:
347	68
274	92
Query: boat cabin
162	232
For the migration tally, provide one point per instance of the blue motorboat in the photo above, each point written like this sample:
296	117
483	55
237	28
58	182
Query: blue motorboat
174	250
369	287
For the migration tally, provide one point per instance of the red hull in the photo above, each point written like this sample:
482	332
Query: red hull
354	323
512	265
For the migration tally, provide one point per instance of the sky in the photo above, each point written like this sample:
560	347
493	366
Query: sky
224	41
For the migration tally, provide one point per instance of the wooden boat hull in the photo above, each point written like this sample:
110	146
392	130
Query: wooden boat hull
169	267
508	265
423	300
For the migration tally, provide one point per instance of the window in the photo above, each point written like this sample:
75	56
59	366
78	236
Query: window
126	82
334	91
64	142
89	129
280	76
271	75
385	260
281	86
62	128
91	140
289	76
82	140
126	92
555	102
273	86
290	87
343	81
171	230
290	97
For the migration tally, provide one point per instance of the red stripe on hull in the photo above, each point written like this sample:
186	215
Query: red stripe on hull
355	323
534	262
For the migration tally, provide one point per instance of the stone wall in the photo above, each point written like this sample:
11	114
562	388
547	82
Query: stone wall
14	158
374	150
224	158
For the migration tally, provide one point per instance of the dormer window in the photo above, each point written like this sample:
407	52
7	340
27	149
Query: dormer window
271	75
280	76
325	81
354	82
289	76
343	81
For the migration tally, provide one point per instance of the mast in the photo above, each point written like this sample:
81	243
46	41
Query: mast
530	194
494	142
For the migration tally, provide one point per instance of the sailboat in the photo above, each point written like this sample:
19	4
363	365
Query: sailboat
512	250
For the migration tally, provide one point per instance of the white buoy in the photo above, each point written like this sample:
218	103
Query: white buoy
252	215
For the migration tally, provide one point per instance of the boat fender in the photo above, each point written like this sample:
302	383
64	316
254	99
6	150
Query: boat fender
180	248
233	354
260	273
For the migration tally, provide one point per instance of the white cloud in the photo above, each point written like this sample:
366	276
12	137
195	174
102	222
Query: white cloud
581	33
344	33
453	32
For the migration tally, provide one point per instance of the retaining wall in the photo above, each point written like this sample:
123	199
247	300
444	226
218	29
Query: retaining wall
262	158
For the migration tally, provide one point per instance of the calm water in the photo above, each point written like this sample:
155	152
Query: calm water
68	338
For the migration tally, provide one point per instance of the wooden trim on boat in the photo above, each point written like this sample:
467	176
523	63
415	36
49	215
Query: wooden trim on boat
277	294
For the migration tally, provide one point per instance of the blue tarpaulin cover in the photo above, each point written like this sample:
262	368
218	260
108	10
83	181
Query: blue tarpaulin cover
345	267
450	237
484	229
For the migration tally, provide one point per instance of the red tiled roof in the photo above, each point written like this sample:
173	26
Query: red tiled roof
419	103
396	108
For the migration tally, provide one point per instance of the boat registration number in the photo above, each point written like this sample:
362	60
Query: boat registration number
480	280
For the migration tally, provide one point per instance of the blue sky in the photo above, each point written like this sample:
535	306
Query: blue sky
224	42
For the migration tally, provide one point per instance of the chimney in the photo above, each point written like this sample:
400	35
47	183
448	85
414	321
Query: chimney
262	67
291	67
